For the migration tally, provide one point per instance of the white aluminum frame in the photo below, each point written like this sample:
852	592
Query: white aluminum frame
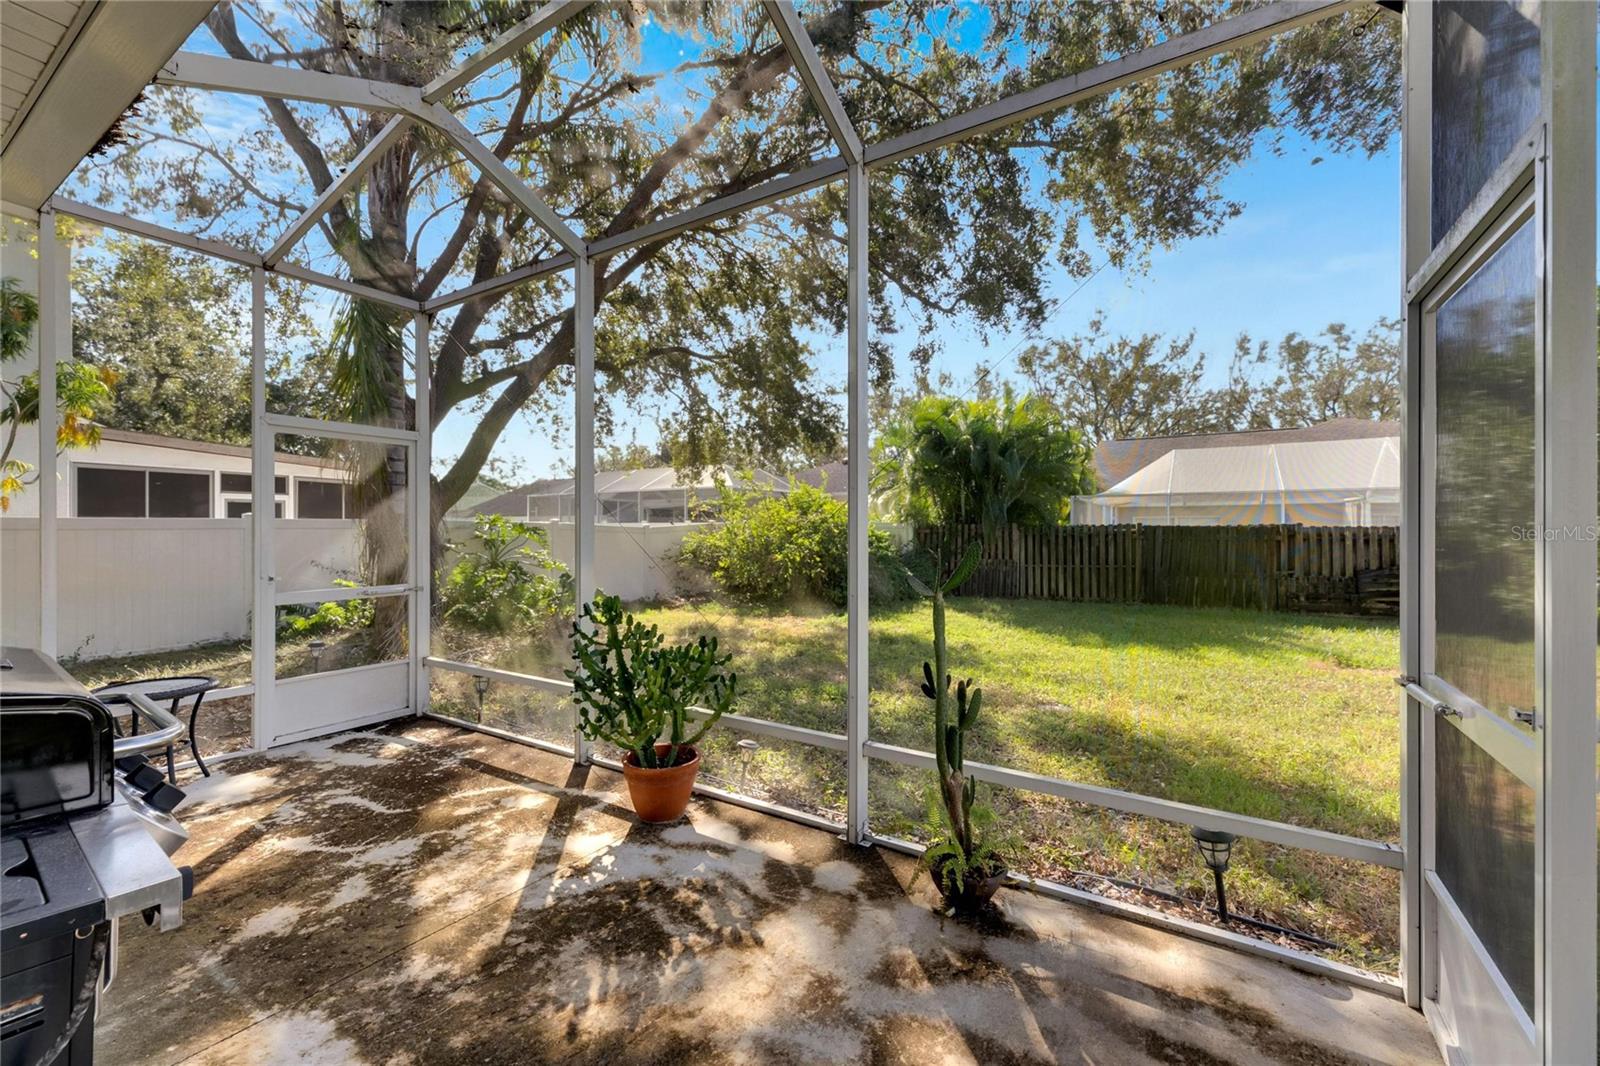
1568	892
853	164
263	612
546	18
363	162
55	345
1549	178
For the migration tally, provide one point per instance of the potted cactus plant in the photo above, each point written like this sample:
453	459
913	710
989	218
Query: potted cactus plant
635	691
965	855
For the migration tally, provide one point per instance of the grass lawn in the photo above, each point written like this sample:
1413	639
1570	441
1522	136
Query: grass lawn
1281	716
1288	717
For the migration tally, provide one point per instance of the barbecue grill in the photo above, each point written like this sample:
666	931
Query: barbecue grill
86	838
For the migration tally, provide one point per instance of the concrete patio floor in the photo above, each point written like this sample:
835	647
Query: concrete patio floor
422	894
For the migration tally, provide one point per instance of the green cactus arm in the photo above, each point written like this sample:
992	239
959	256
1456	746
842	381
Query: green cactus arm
941	699
969	714
964	569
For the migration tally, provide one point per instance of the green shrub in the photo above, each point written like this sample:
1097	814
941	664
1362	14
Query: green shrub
781	549
324	618
508	580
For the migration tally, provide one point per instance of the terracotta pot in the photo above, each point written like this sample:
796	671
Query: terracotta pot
661	795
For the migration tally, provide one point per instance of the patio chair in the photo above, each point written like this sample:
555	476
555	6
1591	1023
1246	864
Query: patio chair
171	689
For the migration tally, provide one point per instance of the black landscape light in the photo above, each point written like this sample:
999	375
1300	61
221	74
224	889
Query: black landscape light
480	685
1216	847
317	647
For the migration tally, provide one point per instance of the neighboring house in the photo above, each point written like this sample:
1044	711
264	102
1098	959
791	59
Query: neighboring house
1338	473
143	475
833	477
655	494
478	493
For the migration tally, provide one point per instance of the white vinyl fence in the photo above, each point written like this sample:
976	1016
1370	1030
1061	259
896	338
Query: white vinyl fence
135	585
634	560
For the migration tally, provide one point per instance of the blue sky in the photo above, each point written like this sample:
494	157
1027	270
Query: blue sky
1316	243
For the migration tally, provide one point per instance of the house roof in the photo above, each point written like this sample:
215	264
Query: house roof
623	482
72	67
156	440
832	477
1115	460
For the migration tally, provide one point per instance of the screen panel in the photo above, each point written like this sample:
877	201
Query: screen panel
1485	94
1485	853
1485	536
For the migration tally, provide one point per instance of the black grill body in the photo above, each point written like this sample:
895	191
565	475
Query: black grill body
53	912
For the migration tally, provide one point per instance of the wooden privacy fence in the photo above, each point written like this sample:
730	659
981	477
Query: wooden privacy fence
1351	569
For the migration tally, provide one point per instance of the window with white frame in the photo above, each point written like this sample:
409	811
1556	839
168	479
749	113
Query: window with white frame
237	501
319	498
139	492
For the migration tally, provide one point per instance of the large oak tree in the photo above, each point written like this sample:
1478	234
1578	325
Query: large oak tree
715	328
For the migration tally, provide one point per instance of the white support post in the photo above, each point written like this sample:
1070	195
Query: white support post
55	347
1416	244
1567	1021
856	685
263	637
421	486
583	455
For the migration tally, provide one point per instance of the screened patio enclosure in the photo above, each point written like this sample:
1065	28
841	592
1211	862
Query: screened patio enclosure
1323	483
1496	853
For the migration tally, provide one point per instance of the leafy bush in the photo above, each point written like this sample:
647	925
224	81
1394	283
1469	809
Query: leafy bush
508	580
777	549
325	618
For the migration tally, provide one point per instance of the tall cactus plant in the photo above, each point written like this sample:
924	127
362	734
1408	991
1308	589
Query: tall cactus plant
961	860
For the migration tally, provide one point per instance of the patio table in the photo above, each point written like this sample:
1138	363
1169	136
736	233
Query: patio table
173	690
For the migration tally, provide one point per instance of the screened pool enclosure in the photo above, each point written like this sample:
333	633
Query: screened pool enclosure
1492	872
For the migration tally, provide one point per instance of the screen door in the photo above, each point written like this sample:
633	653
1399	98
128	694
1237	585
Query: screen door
1488	565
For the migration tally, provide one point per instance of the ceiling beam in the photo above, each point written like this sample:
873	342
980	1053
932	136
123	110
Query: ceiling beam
495	169
195	70
223	250
122	223
800	181
1179	51
346	286
353	173
1227	35
510	279
547	17
807	64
